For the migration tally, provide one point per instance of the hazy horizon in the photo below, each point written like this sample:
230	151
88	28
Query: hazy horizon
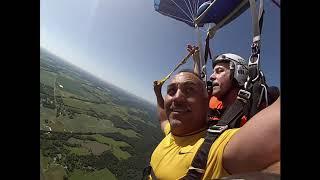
92	74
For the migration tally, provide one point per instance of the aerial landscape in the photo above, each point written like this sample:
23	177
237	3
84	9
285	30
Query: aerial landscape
91	129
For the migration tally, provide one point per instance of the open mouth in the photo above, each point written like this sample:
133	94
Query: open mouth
214	84
180	110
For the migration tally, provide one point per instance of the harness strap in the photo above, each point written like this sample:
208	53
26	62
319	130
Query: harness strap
261	13
200	160
228	120
147	171
277	3
207	50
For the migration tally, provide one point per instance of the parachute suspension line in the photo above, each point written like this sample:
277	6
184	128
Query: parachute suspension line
183	61
187	4
192	4
170	15
202	64
276	3
182	10
192	10
196	6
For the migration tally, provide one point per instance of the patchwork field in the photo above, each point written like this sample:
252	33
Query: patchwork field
90	129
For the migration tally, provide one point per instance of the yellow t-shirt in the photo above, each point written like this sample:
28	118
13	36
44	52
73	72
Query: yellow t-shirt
173	156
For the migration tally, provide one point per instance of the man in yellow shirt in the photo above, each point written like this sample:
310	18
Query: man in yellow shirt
186	106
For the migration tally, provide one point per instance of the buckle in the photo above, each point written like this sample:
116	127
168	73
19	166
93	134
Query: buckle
254	67
217	129
201	171
244	94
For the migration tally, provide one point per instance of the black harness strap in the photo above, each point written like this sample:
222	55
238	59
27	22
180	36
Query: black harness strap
257	92
147	171
207	49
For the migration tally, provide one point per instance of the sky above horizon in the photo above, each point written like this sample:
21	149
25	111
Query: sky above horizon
129	44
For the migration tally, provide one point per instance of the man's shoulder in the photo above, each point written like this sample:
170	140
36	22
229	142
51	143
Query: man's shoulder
222	140
214	164
226	135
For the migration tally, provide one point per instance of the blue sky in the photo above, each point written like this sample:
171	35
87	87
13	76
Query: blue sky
129	44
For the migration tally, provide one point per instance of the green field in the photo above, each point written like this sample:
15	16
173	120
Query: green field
79	150
95	147
70	85
86	123
115	146
66	94
79	104
75	141
58	126
127	132
103	174
44	161
99	146
98	130
109	141
76	87
107	109
87	147
55	172
47	77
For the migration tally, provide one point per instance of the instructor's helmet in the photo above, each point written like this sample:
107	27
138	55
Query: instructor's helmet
238	66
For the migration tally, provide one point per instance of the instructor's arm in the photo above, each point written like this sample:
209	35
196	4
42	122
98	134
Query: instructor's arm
257	144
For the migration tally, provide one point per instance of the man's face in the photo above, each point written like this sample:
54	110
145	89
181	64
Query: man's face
186	104
221	81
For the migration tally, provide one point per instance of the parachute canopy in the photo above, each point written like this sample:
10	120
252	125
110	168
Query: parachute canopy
200	12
